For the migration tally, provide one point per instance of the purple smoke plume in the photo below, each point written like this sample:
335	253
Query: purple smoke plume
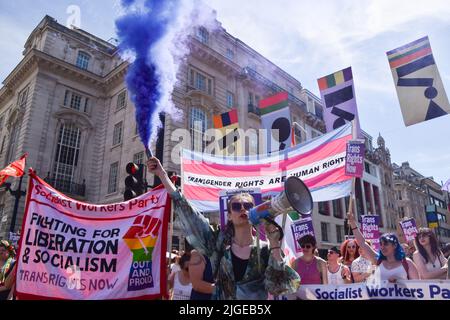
157	35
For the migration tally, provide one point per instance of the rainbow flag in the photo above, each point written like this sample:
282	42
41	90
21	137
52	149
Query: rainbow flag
273	103
335	79
409	52
225	119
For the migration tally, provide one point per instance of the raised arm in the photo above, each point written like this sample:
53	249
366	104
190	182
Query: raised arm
359	237
194	225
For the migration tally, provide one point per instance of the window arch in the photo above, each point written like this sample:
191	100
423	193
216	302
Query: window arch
197	128
83	60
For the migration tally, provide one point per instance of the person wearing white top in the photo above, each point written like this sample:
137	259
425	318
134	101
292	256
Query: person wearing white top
390	257
362	268
337	272
179	282
430	261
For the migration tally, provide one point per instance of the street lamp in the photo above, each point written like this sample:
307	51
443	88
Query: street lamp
18	193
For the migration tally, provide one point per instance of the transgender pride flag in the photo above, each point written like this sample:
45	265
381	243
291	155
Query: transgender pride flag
320	163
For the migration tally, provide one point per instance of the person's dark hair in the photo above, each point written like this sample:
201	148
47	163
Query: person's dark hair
184	259
307	239
433	244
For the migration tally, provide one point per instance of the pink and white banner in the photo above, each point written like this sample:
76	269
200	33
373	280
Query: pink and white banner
320	163
75	250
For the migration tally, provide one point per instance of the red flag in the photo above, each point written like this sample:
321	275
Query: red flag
15	169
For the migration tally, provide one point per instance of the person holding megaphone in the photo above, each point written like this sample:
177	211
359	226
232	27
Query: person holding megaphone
244	268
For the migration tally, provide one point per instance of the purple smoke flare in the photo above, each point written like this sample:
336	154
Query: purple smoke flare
139	32
157	36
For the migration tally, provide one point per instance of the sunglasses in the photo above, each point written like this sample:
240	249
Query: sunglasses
332	252
423	235
306	246
351	247
237	206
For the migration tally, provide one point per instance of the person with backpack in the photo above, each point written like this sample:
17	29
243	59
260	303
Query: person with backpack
391	261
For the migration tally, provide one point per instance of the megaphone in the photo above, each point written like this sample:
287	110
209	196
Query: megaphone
295	196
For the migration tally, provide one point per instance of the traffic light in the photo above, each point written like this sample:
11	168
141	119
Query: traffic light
134	182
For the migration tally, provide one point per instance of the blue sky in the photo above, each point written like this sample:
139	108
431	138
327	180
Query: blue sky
308	39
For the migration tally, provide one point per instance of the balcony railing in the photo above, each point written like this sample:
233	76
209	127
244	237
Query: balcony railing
68	187
253	109
247	71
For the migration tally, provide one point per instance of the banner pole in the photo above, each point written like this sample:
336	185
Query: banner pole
170	231
352	197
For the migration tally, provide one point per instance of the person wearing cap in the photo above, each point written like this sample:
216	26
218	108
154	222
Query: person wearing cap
337	272
391	261
7	263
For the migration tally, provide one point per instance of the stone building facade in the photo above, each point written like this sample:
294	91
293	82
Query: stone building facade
67	105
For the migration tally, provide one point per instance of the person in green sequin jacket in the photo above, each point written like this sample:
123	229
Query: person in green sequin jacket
244	270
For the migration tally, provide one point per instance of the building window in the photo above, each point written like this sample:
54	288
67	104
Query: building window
401	212
324	208
368	197
250	98
76	101
230	99
200	81
203	35
337	208
324	229
138	158
3	145
12	144
346	202
230	54
2	211
197	129
23	97
339	233
121	100
66	157
318	111
113	177
83	60
117	134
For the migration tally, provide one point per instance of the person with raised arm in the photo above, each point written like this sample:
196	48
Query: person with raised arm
243	269
392	265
